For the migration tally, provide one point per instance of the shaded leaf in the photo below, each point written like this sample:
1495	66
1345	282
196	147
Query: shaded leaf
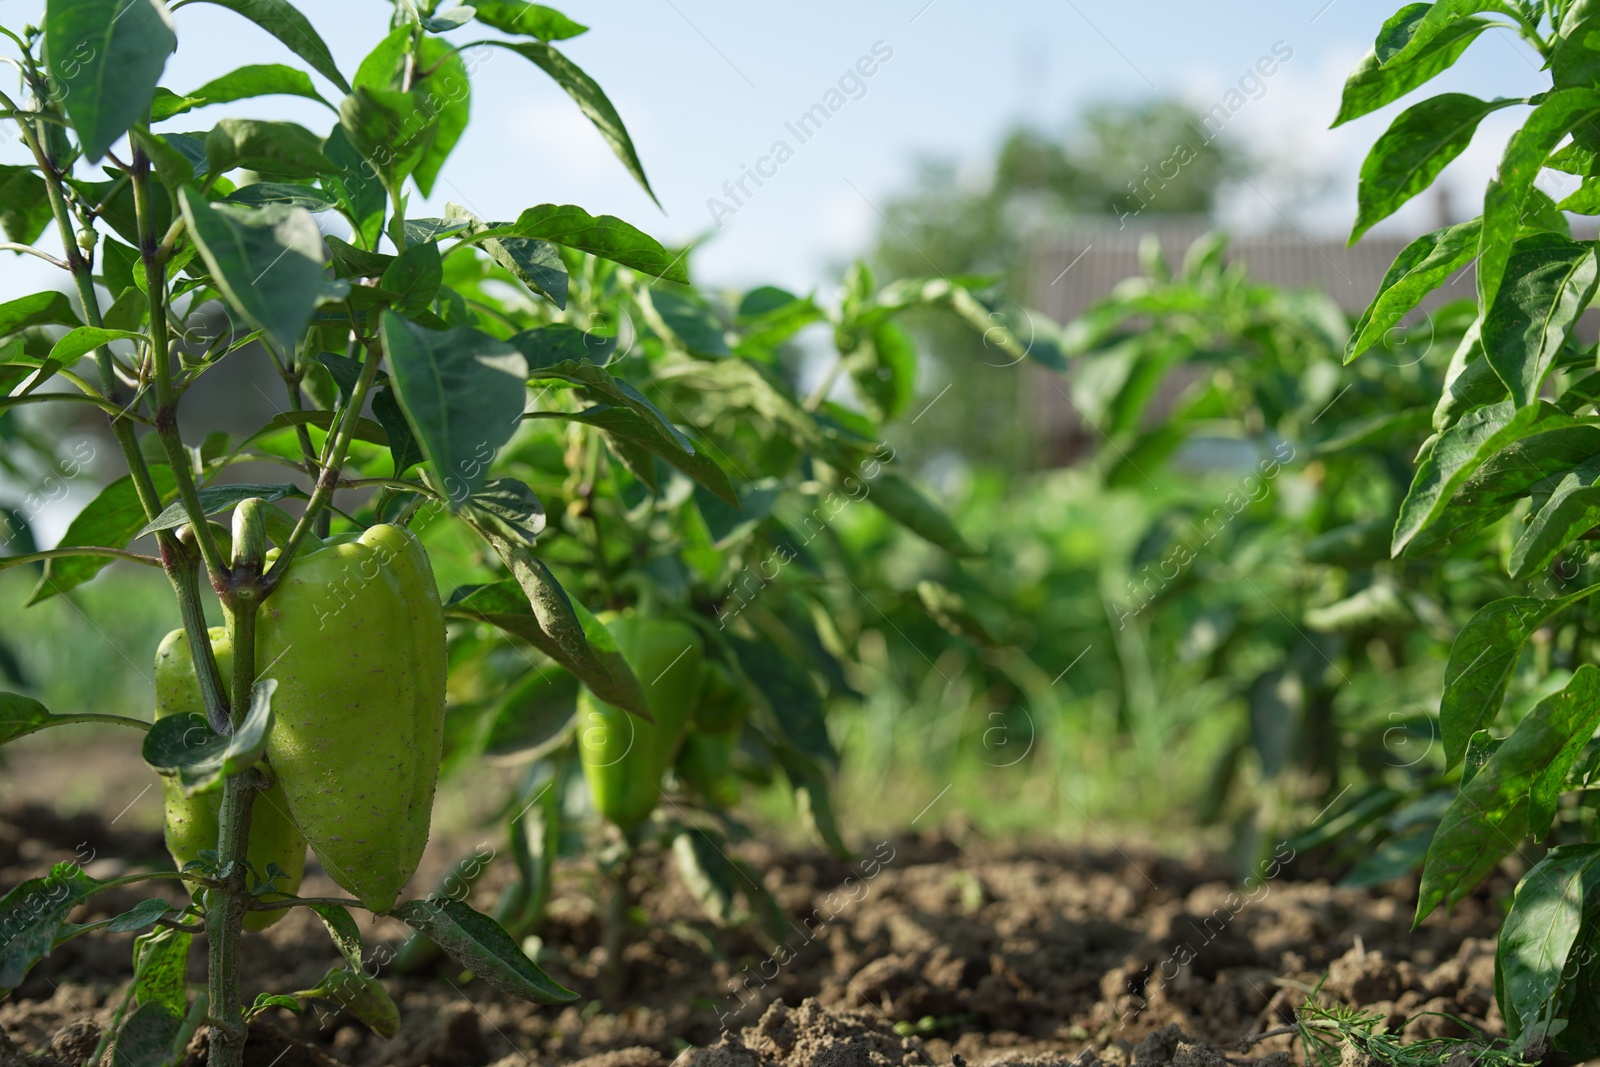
1552	280
478	943
105	58
599	235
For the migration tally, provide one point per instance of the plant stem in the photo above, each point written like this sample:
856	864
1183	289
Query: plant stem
614	937
173	556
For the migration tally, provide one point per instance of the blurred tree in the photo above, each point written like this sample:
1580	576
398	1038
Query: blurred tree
1116	161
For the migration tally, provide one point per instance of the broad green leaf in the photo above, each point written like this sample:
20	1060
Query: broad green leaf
288	25
257	79
1505	478
1575	59
1525	153
602	235
536	264
381	124
1414	27
1572	509
111	520
1469	382
591	100
884	369
812	800
562	349
462	392
1550	282
403	447
708	874
21	716
105	58
32	913
1412	152
1489	816
528	20
686	322
275	149
1538	934
24	204
141	915
905	504
183	746
1421	267
146	1037
446	93
511	508
355	185
267	262
343	930
534	607
478	943
40	309
1458	453
628	424
352	262
362	996
414	276
1371	85
262	194
216	499
161	965
788	690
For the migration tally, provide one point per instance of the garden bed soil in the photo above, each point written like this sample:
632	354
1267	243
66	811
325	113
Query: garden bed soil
983	953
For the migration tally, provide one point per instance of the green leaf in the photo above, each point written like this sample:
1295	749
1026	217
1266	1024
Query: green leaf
1421	267
343	930
884	369
24	204
787	689
1412	152
1371	85
602	235
161	969
275	149
1551	281
105	57
811	797
528	20
536	264
478	943
382	126
450	18
1458	454
1538	935
709	875
1489	816
1481	661
216	499
257	79
141	915
414	276
403	447
591	100
552	346
462	392
446	93
184	747
146	1037
21	716
512	508
1572	509
361	195
902	502
1575	59
1415	26
535	608
111	520
362	996
352	262
283	21
265	1002
30	916
262	194
267	262
627	424
40	309
1524	155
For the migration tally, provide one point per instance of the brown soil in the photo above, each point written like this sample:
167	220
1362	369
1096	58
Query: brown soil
992	955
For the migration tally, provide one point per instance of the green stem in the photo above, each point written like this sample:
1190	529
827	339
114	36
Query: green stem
173	556
614	936
328	478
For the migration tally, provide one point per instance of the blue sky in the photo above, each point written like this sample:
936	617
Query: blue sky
707	86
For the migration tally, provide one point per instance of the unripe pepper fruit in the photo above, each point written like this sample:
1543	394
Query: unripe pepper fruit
706	762
355	636
192	823
624	756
